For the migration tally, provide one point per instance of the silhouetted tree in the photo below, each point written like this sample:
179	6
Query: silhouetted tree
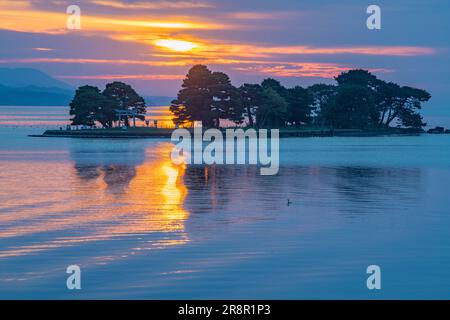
352	107
358	77
208	97
194	99
391	100
359	100
89	106
275	85
404	107
298	102
226	99
300	107
272	110
322	95
364	78
389	93
126	98
251	100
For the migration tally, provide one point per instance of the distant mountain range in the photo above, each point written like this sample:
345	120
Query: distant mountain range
25	77
31	87
34	96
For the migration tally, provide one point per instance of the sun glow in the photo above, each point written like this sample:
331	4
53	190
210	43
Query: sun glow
176	45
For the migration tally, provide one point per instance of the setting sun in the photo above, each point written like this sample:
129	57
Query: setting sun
176	45
252	152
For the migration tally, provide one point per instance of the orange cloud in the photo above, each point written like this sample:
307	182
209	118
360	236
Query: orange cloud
152	5
127	77
158	34
153	63
174	23
99	61
22	17
176	45
246	15
274	68
200	49
16	4
302	69
43	49
369	50
261	51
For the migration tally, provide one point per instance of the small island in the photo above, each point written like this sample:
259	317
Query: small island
359	104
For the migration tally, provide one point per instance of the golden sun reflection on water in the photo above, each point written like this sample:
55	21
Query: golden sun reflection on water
157	190
66	203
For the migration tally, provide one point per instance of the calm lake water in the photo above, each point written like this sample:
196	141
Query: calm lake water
140	227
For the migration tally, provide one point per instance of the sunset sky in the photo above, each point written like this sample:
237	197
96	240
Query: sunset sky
152	44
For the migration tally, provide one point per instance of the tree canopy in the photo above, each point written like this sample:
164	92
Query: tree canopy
358	100
90	105
207	97
126	98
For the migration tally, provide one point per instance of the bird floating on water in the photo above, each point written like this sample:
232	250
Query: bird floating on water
289	202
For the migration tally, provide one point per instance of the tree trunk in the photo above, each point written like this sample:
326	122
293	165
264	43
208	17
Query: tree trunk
250	117
389	120
380	123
